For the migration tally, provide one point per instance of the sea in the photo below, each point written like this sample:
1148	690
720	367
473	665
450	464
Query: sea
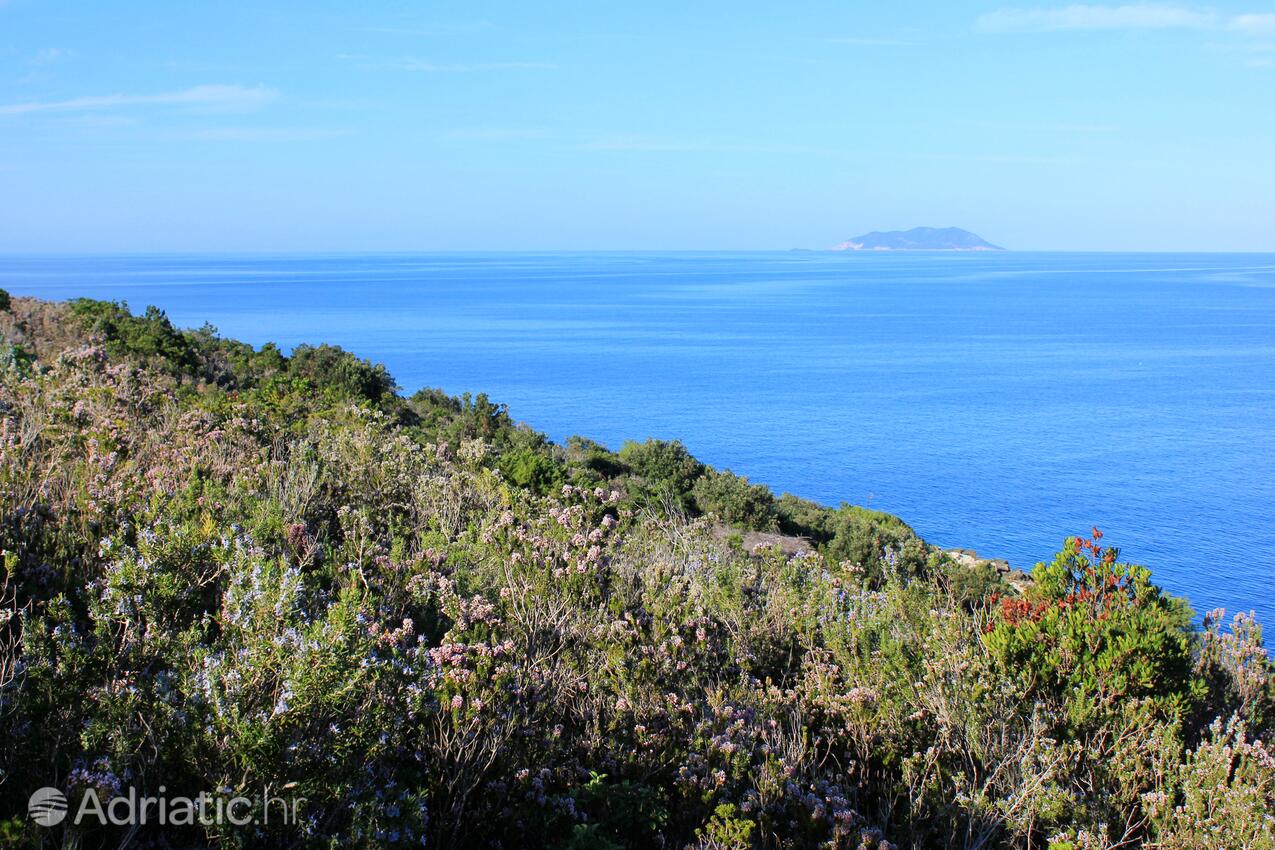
995	401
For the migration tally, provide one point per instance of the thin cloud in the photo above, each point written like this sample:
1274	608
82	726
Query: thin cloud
1006	158
1246	47
645	144
50	56
1133	16
423	66
209	98
868	41
432	30
462	68
496	134
1084	17
96	120
1096	129
1254	24
263	134
1252	53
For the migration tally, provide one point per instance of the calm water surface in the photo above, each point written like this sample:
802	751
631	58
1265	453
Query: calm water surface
996	402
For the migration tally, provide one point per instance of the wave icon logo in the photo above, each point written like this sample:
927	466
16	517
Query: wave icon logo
47	806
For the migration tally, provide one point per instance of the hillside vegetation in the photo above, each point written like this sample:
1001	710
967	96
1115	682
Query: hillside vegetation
225	568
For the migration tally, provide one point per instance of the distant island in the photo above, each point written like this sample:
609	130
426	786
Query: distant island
919	239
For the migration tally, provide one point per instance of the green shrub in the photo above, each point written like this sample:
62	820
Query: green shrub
1095	632
150	336
232	364
531	469
803	517
727	830
733	500
595	457
972	585
667	469
875	544
15	357
333	369
1111	656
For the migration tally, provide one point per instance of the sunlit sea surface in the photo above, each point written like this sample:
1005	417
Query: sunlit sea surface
995	401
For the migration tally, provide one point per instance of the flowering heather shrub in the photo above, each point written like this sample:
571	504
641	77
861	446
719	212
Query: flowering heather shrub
1223	796
225	569
1238	670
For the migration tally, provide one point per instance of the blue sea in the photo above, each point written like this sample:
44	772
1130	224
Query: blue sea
997	402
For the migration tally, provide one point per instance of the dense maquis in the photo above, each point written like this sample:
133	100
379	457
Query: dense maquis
274	578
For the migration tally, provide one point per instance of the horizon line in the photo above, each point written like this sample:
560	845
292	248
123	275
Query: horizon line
219	252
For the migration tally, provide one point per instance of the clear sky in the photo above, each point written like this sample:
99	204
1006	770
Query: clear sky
317	126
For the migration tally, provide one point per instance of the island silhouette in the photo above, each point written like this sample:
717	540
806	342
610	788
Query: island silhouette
919	239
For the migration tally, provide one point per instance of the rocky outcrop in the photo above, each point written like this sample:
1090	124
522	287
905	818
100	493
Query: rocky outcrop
969	558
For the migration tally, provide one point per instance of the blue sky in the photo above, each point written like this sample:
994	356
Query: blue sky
325	126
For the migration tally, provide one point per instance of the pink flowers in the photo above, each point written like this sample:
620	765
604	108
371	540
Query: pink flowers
865	697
